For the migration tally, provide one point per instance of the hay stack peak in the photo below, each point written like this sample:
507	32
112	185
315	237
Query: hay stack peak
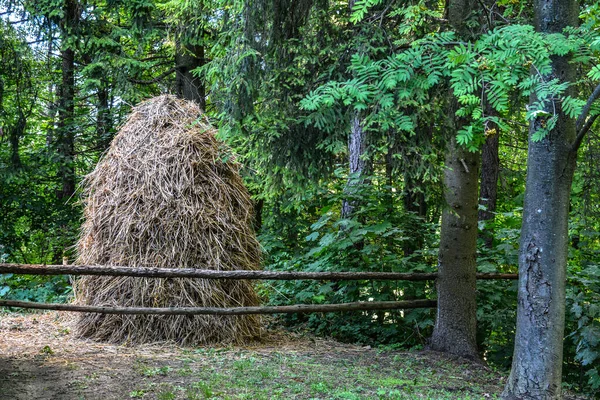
167	194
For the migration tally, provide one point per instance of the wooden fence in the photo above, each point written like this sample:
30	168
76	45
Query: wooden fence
149	272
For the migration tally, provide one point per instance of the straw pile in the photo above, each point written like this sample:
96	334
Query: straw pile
166	195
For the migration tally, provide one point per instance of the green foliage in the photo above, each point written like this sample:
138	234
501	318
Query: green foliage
509	60
360	9
372	240
35	226
35	288
497	300
584	322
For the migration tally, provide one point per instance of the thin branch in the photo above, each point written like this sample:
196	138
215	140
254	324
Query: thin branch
385	12
582	125
37	41
451	43
582	132
38	269
18	22
152	58
586	109
154	80
464	165
488	12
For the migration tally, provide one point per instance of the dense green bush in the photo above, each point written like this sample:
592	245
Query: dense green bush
374	239
582	347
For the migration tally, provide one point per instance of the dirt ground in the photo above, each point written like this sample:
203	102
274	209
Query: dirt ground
40	359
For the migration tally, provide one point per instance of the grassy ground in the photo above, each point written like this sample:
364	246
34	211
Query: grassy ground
40	359
335	374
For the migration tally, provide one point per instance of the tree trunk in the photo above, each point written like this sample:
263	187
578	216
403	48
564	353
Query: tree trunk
187	85
66	112
414	202
258	214
103	120
357	146
537	361
455	327
65	127
16	133
490	169
490	161
389	178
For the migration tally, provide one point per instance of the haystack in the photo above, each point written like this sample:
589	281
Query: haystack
167	194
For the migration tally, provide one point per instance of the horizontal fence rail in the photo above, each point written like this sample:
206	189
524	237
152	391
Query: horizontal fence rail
150	272
298	308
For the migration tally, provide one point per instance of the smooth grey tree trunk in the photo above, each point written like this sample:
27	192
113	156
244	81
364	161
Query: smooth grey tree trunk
537	360
456	321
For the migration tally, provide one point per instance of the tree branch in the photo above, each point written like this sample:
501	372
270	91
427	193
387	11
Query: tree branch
586	109
582	132
154	80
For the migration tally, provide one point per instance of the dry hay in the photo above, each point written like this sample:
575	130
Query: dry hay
167	194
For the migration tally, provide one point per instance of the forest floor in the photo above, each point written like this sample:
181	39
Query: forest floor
40	359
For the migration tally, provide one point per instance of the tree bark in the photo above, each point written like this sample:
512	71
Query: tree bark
103	119
490	170
16	133
187	85
357	146
537	361
66	113
455	327
490	160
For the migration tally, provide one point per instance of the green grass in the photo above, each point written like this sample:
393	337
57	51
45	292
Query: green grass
298	375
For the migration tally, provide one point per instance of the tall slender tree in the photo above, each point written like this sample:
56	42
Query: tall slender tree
537	362
65	140
456	321
357	149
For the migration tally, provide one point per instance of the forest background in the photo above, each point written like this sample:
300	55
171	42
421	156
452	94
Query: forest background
342	114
